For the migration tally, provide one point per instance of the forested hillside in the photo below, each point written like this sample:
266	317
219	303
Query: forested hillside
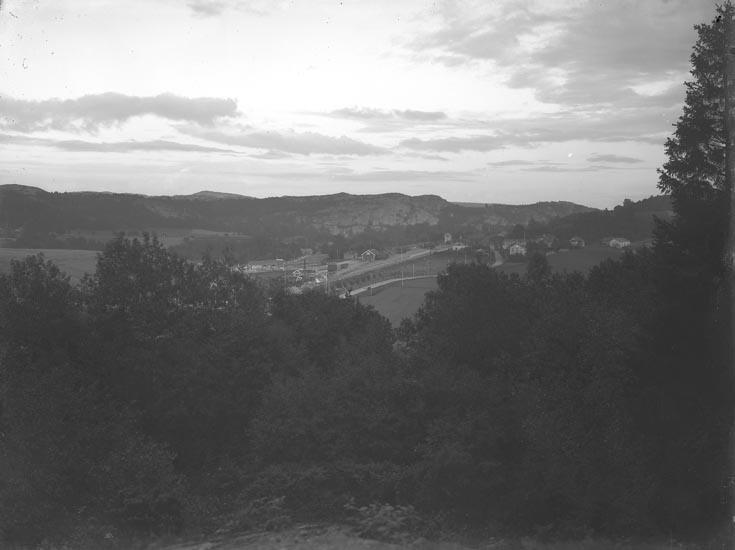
36	218
633	220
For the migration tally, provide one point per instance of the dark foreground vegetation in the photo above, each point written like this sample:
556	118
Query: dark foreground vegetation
161	396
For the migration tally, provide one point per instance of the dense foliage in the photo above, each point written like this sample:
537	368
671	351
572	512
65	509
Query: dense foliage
162	395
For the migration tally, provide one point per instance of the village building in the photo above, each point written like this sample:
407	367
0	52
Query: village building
605	241
369	255
576	242
619	242
265	265
517	249
507	243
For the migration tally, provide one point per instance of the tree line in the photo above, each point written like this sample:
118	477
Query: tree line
162	396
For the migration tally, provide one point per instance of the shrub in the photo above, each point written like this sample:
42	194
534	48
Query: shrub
139	488
384	521
316	492
260	514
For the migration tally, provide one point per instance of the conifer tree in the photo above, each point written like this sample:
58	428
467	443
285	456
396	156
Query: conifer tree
694	174
686	376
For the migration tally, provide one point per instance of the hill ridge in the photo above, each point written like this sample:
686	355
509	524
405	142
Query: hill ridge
35	211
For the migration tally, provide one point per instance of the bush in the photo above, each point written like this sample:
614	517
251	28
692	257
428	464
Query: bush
260	514
384	521
139	488
318	492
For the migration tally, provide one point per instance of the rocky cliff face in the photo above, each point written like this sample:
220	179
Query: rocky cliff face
356	214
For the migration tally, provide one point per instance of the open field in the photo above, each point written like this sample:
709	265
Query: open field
420	266
75	263
582	260
168	236
397	302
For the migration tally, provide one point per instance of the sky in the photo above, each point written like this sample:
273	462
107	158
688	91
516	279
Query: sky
503	101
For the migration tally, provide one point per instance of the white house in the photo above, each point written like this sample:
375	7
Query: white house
507	243
576	242
369	255
619	242
265	265
517	249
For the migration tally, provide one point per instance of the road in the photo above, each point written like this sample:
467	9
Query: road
498	262
377	265
389	281
362	267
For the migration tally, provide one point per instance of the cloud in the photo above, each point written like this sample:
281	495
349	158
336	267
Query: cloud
364	113
409	114
612	158
360	113
426	156
11	139
583	53
459	144
557	168
207	8
642	125
302	143
272	155
348	176
512	163
90	112
110	147
127	146
213	8
411	175
469	32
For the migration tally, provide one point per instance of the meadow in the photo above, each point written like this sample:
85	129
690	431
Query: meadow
397	302
168	236
581	260
74	263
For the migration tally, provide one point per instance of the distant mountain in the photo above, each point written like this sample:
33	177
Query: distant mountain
33	211
211	195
